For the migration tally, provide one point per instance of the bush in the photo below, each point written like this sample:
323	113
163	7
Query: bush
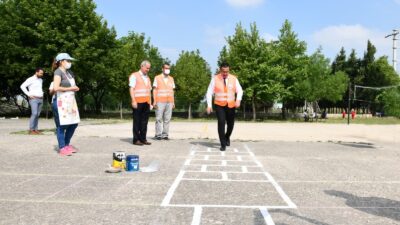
391	102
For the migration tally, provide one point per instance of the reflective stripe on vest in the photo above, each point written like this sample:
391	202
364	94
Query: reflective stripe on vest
165	91
142	91
225	95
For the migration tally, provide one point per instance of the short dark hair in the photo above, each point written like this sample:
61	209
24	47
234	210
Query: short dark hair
224	65
39	69
165	64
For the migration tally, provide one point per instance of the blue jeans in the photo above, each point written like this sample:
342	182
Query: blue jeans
64	132
36	106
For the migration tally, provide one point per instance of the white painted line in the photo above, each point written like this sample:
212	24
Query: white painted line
204	168
267	216
192	153
237	206
187	162
224	176
208	149
195	164
217	171
244	169
226	179
239	158
206	157
222	153
218	160
63	189
223	163
219	152
280	190
29	180
172	189
197	215
273	182
235	150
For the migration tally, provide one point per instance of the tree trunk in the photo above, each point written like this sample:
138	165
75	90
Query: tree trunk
190	111
284	110
244	111
120	110
253	102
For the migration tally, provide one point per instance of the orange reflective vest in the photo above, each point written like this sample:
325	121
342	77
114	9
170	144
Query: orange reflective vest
142	90
225	94
165	90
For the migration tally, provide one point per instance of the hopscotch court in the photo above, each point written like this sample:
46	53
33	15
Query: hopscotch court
225	179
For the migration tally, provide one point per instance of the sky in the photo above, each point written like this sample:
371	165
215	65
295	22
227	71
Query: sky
178	25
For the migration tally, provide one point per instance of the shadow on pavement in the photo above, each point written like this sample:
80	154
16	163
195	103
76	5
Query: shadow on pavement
356	144
382	207
206	144
129	140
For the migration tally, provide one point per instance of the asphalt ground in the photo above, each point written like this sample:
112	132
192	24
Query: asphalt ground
323	179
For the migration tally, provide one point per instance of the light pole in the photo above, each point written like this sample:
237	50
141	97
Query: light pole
394	34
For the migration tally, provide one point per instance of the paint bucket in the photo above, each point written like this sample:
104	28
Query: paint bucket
118	159
132	163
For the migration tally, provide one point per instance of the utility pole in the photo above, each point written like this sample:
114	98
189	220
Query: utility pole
394	34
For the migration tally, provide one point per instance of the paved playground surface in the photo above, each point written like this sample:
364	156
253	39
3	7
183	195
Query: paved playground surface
273	173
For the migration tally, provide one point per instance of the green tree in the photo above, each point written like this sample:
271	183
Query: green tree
319	82
390	99
292	62
131	51
340	61
192	75
251	60
33	32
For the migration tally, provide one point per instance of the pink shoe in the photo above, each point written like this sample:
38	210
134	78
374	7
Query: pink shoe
72	148
65	151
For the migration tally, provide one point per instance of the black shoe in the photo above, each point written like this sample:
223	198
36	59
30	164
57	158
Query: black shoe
228	142
146	143
165	138
222	148
158	138
138	143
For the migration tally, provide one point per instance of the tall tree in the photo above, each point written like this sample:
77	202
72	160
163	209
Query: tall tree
319	82
292	60
192	75
251	60
340	61
32	32
131	51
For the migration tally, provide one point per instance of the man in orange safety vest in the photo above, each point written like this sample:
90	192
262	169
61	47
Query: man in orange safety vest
224	86
163	95
140	91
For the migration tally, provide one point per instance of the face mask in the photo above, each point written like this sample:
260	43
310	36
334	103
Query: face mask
166	72
68	65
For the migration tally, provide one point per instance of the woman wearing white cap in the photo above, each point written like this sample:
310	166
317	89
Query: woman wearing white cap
65	110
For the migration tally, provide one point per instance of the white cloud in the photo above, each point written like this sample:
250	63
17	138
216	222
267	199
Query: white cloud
332	38
244	3
170	53
214	36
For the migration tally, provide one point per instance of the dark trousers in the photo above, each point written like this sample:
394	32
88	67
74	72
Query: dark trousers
140	121
225	115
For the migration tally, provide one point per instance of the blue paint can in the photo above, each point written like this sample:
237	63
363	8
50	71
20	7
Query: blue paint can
132	163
